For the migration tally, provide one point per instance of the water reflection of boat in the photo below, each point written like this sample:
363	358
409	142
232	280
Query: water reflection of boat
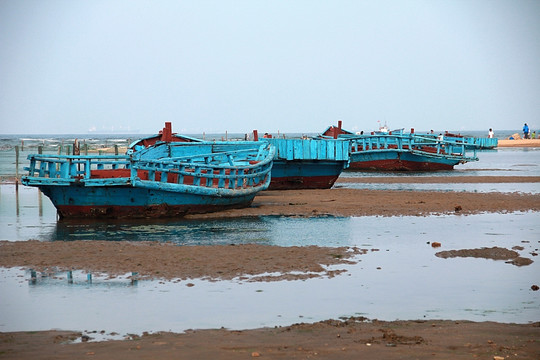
397	151
160	181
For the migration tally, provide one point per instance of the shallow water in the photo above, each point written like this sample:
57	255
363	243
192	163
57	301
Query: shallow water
398	278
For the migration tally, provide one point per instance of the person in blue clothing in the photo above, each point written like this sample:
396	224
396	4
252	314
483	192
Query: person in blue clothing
525	131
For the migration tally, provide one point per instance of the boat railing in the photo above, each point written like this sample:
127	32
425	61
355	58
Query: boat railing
59	169
229	158
409	143
230	170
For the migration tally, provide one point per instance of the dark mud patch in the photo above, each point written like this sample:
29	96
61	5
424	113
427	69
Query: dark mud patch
494	253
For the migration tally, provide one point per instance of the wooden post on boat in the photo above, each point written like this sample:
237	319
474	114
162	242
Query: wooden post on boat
85	148
255	135
166	134
226	136
40	149
22	145
115	149
412	130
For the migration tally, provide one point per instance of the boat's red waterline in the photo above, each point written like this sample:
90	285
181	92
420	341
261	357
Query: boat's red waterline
303	182
399	165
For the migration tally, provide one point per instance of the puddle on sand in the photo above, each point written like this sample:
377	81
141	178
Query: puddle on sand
399	278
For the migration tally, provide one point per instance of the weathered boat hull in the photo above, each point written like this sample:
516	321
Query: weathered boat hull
399	161
131	202
164	180
307	163
298	163
397	151
305	174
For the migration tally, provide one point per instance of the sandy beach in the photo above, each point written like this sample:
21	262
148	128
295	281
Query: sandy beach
332	339
519	143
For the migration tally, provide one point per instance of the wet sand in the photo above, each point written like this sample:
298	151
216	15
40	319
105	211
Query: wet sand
152	260
333	339
354	202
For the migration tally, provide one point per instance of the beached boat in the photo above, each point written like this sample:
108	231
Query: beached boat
162	180
297	163
307	163
398	151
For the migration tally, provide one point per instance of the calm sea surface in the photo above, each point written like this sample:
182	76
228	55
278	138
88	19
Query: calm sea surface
400	279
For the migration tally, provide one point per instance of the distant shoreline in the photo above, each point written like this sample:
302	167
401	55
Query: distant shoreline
519	143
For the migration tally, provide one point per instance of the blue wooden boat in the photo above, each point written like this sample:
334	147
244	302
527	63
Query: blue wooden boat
298	163
307	163
163	180
400	151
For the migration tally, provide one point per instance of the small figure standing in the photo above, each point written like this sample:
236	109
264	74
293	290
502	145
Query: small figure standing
534	134
440	137
526	131
490	133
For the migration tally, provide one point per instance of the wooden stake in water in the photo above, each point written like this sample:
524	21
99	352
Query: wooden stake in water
33	276
16	161
40	203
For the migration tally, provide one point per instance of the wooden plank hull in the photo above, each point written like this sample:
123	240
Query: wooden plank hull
298	163
160	181
398	151
307	163
131	202
305	174
400	161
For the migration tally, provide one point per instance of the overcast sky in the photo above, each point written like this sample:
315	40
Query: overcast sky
293	66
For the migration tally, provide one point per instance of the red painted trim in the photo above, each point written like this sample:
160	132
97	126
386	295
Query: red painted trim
295	183
399	165
143	175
